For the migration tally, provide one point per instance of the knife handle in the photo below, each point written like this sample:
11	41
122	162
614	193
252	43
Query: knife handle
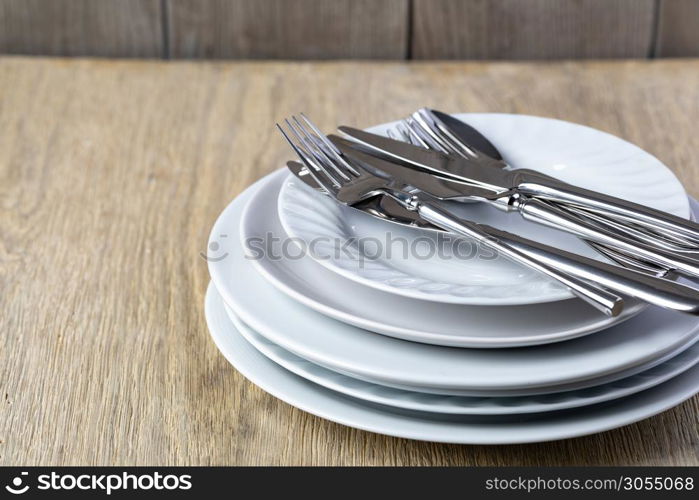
600	298
547	214
609	205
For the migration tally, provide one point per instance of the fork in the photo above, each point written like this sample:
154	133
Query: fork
350	183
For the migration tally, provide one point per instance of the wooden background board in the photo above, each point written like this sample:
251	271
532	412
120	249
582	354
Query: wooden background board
364	29
107	28
111	176
298	29
678	29
533	29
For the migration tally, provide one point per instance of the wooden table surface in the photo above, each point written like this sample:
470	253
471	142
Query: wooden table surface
111	175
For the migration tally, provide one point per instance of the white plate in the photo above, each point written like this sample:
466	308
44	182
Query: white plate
574	153
465	405
433	323
462	429
388	361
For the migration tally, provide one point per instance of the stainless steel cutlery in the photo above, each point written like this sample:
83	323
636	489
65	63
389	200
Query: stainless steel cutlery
361	180
350	183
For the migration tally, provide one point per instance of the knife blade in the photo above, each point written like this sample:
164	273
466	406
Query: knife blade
497	180
437	186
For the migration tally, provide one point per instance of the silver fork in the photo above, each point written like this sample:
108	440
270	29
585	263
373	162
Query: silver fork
350	184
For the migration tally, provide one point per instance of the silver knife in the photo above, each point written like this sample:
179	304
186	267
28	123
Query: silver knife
523	181
429	171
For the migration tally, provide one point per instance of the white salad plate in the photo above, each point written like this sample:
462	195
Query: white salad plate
465	405
573	153
462	429
618	352
280	261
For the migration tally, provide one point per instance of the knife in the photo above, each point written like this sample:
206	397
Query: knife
491	188
525	181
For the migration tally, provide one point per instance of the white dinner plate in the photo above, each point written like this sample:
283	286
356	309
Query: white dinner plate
574	153
466	405
434	323
462	429
634	344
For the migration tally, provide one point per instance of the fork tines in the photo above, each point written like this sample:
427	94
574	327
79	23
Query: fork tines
320	156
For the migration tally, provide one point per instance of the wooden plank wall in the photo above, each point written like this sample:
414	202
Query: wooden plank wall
105	28
533	29
298	29
678	28
366	29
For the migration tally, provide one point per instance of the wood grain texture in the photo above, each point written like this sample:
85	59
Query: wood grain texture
678	28
531	29
125	28
288	29
111	175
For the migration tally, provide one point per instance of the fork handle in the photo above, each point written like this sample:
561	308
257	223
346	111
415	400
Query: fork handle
600	298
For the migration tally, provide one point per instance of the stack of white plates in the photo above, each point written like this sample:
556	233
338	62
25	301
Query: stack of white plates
399	331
